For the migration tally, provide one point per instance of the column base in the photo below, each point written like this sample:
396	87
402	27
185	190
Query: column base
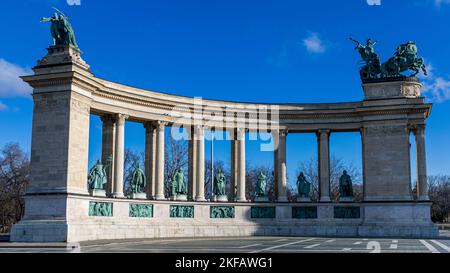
160	197
282	199
325	199
200	199
241	200
424	198
118	195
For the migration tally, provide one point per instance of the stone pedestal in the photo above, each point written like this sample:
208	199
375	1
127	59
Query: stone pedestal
139	195
181	197
402	87
346	199
220	198
261	199
303	199
97	192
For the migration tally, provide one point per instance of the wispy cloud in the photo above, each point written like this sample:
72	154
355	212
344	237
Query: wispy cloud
314	44
437	89
10	83
3	107
439	3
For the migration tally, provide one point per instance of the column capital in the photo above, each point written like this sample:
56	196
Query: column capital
107	118
417	128
149	124
322	132
120	118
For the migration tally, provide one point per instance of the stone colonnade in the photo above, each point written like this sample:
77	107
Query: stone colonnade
113	151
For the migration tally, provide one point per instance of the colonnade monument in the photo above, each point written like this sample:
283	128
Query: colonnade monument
67	202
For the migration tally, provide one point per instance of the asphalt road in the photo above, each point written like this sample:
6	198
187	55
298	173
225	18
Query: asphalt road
246	245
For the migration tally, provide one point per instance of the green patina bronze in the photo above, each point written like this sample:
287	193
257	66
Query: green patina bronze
219	183
100	209
138	180
371	66
303	186
347	212
261	184
345	185
97	176
61	29
141	210
221	212
304	212
178	184
262	212
404	59
178	211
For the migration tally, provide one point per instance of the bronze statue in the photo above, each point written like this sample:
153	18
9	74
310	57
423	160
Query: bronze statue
371	67
219	183
345	185
61	29
138	180
178	184
97	176
303	186
261	185
404	59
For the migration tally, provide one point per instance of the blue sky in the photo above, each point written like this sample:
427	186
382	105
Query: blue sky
259	51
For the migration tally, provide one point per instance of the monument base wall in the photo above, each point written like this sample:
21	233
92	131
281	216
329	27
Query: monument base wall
374	219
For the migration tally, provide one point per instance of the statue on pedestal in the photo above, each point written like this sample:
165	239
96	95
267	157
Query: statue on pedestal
372	67
138	180
61	29
261	185
404	59
178	184
219	183
345	185
303	186
97	176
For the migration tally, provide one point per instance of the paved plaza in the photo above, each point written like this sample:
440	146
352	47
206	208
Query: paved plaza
246	245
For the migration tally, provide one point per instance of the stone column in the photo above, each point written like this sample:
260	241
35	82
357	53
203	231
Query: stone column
160	161
200	163
108	145
281	164
422	185
240	135
276	141
192	165
150	158
234	165
324	165
119	155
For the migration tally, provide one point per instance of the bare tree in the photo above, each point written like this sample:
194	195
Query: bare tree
14	177
439	192
337	166
131	160
176	157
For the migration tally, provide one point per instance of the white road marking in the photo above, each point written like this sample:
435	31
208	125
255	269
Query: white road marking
346	249
393	246
395	241
357	243
283	245
365	239
441	245
280	240
330	241
430	247
247	246
312	246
